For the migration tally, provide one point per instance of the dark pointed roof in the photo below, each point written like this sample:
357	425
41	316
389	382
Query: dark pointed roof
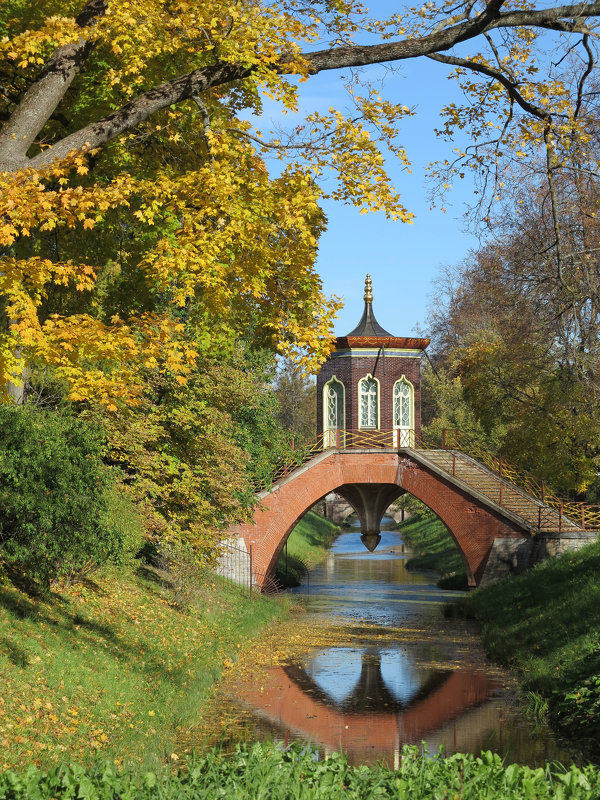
369	333
368	325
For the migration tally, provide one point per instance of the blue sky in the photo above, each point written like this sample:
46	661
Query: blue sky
402	259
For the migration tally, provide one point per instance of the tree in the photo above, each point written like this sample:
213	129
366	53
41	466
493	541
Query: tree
297	399
520	327
56	496
136	116
191	453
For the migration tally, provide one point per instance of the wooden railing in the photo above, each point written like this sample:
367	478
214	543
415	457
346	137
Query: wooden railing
553	513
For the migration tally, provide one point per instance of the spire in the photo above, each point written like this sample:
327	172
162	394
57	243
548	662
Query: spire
368	325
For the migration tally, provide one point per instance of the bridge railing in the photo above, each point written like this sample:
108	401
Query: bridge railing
570	513
553	512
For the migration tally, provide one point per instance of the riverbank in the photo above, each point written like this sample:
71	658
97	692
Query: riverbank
433	549
545	624
117	666
307	546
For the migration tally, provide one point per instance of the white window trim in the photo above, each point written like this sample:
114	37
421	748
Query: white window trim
411	428
333	379
368	427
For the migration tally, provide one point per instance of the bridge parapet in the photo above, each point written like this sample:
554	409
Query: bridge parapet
465	459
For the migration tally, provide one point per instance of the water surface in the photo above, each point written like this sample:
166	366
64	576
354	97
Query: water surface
401	672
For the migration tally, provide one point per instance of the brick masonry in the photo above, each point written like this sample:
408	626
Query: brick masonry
284	700
349	369
473	525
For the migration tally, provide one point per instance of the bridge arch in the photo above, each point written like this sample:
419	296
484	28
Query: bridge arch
474	523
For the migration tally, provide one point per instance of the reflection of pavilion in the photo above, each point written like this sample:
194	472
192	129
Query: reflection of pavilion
370	722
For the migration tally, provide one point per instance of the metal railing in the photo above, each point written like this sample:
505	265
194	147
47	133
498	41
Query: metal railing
235	564
552	513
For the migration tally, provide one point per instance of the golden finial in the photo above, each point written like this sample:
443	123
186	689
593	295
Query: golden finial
368	290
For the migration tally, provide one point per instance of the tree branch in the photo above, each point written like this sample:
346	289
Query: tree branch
41	99
496	74
44	95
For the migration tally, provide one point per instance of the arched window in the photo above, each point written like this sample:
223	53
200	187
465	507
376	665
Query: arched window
368	394
403	413
333	410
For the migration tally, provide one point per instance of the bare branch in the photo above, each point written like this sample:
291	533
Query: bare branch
496	74
586	73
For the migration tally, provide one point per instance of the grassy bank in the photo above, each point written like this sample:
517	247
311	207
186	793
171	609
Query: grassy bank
434	549
266	772
114	666
546	624
307	546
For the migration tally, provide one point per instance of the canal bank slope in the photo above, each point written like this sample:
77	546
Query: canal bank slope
546	625
118	665
433	548
307	546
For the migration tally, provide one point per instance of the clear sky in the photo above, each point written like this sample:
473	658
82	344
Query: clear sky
402	259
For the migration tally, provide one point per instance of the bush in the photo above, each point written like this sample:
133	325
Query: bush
55	520
122	516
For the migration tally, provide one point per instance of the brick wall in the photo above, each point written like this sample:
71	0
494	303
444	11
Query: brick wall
387	370
473	525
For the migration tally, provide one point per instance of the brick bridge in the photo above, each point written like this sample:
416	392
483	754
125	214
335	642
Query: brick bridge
500	518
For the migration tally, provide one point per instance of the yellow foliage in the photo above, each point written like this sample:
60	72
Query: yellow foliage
233	248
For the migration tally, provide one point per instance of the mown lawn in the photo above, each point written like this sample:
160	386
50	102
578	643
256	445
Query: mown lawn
114	666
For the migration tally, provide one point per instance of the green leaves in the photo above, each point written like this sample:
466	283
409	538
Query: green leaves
53	484
265	771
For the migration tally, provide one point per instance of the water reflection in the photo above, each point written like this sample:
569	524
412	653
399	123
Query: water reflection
408	675
364	679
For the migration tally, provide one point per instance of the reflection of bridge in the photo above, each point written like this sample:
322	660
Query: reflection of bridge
485	504
282	699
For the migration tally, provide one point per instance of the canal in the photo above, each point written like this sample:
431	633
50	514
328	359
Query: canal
388	666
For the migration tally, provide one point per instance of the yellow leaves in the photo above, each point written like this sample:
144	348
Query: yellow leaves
26	202
32	47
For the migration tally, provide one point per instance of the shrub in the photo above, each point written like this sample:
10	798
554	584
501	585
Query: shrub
55	519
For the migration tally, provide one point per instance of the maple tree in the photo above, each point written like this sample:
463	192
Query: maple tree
191	453
134	117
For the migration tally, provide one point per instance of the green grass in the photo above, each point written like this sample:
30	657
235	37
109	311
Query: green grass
113	666
434	549
546	624
306	547
268	772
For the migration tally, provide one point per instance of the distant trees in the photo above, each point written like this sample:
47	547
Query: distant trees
518	323
296	395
